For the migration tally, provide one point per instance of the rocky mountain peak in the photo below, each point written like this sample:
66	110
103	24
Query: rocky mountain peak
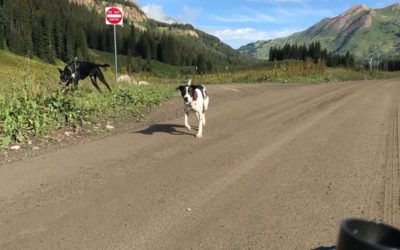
355	10
132	14
345	23
395	6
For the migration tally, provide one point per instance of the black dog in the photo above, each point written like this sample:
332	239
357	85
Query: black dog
76	71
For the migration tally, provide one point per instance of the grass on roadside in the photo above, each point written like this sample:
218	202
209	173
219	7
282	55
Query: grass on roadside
39	111
293	72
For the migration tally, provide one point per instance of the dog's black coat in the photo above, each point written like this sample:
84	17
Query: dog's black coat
77	70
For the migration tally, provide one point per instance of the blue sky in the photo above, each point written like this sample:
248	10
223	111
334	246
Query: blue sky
239	22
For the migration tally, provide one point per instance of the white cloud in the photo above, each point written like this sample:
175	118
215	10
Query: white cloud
255	18
156	12
188	14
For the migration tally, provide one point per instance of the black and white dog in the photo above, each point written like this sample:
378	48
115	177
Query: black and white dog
195	99
76	71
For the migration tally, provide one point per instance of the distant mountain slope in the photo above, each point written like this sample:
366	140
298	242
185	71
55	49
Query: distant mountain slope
67	29
135	16
361	30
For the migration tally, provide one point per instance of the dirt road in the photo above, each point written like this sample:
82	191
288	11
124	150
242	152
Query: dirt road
278	168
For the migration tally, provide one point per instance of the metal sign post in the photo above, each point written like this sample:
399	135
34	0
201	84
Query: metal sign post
115	52
114	16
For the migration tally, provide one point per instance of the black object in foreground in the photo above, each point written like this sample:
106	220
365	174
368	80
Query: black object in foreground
325	248
358	234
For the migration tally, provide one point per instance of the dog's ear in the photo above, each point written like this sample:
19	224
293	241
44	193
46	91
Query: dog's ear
179	88
60	70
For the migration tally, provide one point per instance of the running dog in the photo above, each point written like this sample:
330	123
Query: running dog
76	71
195	99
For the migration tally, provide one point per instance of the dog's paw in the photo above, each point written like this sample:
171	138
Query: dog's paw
188	127
199	135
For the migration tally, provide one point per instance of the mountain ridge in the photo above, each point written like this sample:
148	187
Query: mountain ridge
362	30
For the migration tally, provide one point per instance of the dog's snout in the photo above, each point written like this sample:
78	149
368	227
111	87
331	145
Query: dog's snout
186	99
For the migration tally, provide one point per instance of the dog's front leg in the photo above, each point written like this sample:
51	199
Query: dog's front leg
75	86
204	118
64	88
75	83
186	120
200	121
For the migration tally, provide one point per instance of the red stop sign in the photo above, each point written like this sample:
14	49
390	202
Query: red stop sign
113	16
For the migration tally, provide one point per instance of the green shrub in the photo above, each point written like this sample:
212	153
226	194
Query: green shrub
37	111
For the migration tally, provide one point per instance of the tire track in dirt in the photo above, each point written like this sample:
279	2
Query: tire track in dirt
392	168
301	104
384	200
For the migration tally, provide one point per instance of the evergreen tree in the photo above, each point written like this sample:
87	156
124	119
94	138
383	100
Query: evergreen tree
19	33
102	41
47	36
109	38
210	67
313	51
92	38
120	40
162	49
144	49
349	60
201	64
37	37
69	46
172	51
153	46
25	29
129	62
81	48
286	52
2	36
131	41
59	36
272	55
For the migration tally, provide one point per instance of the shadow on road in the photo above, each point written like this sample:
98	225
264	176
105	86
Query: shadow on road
164	128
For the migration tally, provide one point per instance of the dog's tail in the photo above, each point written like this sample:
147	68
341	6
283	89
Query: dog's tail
104	65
